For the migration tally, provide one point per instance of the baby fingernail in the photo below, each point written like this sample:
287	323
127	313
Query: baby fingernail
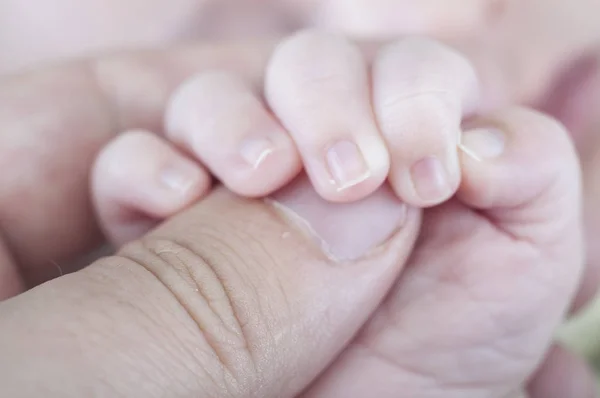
179	178
346	164
345	231
483	143
431	179
255	150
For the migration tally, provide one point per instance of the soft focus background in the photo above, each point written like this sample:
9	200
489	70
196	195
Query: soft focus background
582	334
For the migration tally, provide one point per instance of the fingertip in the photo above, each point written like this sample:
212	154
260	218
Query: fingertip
219	118
520	172
138	179
350	171
143	171
271	169
479	147
511	157
429	181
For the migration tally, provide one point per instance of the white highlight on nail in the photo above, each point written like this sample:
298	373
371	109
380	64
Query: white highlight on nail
256	151
261	158
177	181
351	183
467	151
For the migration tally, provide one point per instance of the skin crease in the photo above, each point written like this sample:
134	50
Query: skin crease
17	56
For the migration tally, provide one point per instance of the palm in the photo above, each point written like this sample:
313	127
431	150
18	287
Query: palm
457	300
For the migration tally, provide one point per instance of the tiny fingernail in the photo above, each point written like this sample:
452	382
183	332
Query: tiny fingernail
255	150
430	179
346	164
483	143
180	178
344	231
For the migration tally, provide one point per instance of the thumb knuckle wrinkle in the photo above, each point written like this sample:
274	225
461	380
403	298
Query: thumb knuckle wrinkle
217	304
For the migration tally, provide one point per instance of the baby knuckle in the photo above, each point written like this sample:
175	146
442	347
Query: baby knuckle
423	63
314	59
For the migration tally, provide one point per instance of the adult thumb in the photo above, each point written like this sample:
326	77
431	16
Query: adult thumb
232	298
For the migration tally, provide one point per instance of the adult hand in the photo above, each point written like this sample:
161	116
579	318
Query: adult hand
231	298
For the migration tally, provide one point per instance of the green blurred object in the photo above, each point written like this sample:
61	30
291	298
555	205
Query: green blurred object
582	334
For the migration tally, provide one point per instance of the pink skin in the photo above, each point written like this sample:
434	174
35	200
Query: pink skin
481	247
491	32
348	144
301	297
533	62
489	279
70	113
166	183
500	237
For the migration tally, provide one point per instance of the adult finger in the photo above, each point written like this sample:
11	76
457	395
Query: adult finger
232	298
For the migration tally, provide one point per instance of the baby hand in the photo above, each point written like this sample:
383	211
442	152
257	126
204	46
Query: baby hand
489	279
351	122
494	268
